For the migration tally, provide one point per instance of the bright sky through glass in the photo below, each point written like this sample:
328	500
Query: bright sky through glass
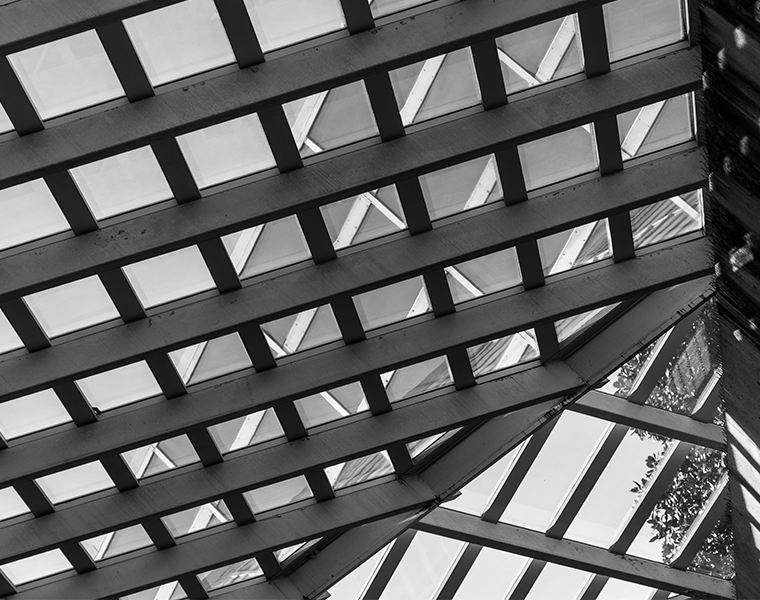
36	567
29	212
119	386
11	504
9	339
636	26
31	413
75	482
5	122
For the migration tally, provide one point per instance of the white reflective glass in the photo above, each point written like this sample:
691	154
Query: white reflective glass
167	591
655	126
214	358
197	518
616	589
245	431
11	504
557	581
75	482
281	23
503	353
226	151
480	581
569	327
116	543
461	187
169	277
235	573
284	554
29	212
667	219
381	8
72	306
392	303
266	247
353	585
331	119
575	247
558	157
296	333
636	26
434	87
546	52
418	447
121	183
180	40
9	339
36	567
31	413
359	470
278	494
331	405
67	74
417	379
5	122
484	275
118	387
160	456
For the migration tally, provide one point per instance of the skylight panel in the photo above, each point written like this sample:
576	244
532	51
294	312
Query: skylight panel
480	580
9	339
211	359
36	567
31	413
234	573
615	589
437	86
180	40
380	8
116	543
169	277
572	326
197	518
575	247
67	75
299	332
392	303
166	591
484	275
417	379
332	405
280	23
359	470
537	55
503	353
5	122
75	482
72	306
558	157
461	187
120	386
159	457
636	26
29	212
121	183
278	494
667	219
247	430
227	151
557	581
331	119
656	126
11	504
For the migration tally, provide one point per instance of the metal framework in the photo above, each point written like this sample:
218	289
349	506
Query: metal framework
284	502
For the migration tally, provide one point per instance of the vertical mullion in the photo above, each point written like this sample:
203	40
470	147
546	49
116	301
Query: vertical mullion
125	61
205	447
384	106
25	325
119	472
280	138
459	572
388	566
167	376
78	557
15	101
239	29
348	320
257	348
596	57
71	202
220	265
531	268
175	169
358	15
75	403
34	498
438	291
290	420
413	203
122	294
317	237
377	397
488	70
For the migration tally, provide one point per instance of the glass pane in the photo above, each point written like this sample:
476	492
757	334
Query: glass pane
477	495
436	86
118	387
480	581
122	183
66	75
72	306
418	447
636	26
656	126
417	379
5	122
331	119
554	470
9	339
31	413
36	567
332	405
539	54
353	585
11	504
392	303
381	8
558	157
266	247
461	187
214	358
29	213
169	277
170	591
278	494
575	247
359	470
246	431
615	589
235	573
281	23
569	327
667	219
364	217
716	557
620	382
180	40
117	542
296	333
160	456
423	568
197	518
503	353
556	581
284	554
484	275
226	151
75	482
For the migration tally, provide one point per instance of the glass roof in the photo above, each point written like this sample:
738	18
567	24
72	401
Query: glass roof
636	26
29	212
75	482
36	567
116	543
9	339
31	413
5	122
160	457
278	494
251	429
120	386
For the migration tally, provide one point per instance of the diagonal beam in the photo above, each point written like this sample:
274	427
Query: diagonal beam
557	49
420	89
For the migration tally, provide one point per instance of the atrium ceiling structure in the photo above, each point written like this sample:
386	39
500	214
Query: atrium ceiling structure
359	299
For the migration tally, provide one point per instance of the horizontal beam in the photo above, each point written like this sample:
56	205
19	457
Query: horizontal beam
535	545
283	461
353	274
342	176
